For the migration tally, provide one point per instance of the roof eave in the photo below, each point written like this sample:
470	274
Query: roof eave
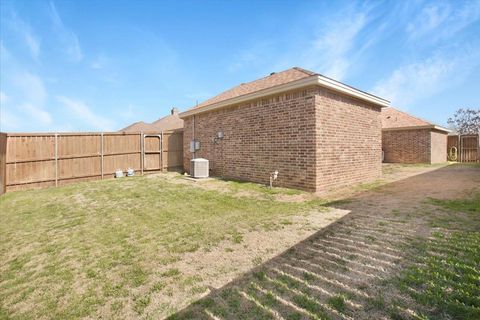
429	126
297	84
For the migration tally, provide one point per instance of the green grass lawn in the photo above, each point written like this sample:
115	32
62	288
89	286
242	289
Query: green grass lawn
105	248
446	277
114	249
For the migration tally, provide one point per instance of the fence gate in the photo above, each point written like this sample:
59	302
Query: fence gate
152	152
467	145
469	149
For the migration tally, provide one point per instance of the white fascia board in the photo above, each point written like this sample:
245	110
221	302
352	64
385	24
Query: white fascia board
441	128
301	83
343	88
429	126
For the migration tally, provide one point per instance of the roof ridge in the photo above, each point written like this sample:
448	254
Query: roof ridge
310	73
274	73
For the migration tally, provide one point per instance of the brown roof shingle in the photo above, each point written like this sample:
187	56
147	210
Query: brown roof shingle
170	122
274	79
393	118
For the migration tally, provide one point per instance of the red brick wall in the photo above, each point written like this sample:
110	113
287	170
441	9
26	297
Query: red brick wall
302	134
260	137
407	146
348	141
438	146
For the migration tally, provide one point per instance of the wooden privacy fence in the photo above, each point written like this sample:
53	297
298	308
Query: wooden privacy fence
467	145
52	159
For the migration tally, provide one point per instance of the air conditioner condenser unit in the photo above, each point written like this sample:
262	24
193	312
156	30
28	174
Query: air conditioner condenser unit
199	168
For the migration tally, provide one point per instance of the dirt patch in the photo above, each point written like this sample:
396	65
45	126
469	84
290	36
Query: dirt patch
224	262
237	189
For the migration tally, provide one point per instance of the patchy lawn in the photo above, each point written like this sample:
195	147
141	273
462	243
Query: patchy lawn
139	247
404	247
407	250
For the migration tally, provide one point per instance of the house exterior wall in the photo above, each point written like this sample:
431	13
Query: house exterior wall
438	146
407	146
275	133
316	139
348	139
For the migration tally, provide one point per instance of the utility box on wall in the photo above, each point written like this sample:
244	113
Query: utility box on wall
194	145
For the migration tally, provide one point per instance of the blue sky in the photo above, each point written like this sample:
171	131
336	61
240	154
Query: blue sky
100	65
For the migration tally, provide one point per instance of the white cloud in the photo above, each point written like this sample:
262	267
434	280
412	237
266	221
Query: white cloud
68	38
128	113
442	21
36	113
5	56
99	62
33	44
25	32
254	56
430	18
341	40
33	95
31	87
27	97
83	112
332	47
419	80
9	121
3	97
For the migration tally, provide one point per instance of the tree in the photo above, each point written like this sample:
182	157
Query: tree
466	121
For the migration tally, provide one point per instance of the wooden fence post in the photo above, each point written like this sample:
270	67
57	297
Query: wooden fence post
142	152
56	159
161	150
3	163
101	153
459	151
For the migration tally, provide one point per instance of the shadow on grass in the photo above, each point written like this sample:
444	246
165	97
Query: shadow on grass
364	265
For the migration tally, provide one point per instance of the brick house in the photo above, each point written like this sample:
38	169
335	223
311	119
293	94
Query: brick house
407	139
316	132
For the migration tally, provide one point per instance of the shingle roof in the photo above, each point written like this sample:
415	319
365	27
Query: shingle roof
170	122
274	79
137	126
393	118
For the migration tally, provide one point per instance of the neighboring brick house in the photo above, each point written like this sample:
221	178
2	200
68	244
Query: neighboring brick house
318	133
167	123
407	139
